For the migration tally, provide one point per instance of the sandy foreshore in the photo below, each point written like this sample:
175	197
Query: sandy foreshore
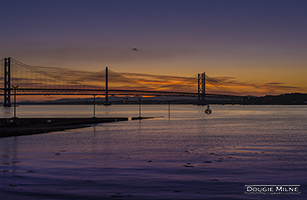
28	126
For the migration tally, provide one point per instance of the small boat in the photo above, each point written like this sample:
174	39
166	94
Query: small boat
208	110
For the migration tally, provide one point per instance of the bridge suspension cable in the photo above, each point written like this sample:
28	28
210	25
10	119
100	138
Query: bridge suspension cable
60	81
217	87
53	79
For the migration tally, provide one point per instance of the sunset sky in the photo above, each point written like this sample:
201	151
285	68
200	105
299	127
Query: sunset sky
258	47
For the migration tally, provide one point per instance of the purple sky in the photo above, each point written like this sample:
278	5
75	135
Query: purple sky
262	42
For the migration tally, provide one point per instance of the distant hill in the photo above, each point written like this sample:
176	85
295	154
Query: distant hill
282	99
115	100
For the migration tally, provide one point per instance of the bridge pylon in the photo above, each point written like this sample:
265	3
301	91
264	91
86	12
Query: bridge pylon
202	88
106	103
7	82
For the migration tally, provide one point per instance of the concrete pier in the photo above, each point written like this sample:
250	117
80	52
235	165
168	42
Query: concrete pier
27	126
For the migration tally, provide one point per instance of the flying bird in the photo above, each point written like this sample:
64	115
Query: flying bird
135	49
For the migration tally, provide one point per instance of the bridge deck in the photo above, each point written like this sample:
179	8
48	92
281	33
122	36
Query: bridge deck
48	91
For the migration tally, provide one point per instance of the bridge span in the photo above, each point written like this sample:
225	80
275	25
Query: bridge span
21	79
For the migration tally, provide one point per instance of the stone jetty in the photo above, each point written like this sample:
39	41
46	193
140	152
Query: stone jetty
27	126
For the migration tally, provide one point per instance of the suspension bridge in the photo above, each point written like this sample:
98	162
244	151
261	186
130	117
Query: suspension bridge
21	79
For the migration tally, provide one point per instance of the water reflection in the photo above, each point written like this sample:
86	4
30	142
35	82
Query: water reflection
9	151
7	112
188	156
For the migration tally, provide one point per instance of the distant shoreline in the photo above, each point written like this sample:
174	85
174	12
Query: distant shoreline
125	103
281	99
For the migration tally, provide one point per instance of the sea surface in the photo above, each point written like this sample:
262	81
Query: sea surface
187	155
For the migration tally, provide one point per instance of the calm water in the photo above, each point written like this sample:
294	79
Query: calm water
190	155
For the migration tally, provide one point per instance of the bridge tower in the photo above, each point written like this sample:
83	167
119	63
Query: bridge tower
106	103
7	82
107	89
201	88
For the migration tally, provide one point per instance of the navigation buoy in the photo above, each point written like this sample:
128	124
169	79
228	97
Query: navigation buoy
208	110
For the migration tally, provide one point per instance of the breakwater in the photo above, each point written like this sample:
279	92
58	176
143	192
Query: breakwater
27	126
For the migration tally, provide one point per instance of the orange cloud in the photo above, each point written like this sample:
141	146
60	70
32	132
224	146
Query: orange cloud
49	77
